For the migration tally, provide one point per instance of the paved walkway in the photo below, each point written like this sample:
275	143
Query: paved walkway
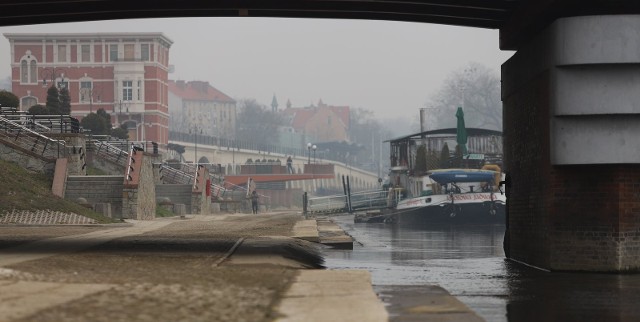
66	244
332	296
203	268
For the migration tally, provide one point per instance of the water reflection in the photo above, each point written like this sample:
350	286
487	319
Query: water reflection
445	241
539	296
468	261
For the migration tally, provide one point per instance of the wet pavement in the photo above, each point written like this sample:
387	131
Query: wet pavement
468	261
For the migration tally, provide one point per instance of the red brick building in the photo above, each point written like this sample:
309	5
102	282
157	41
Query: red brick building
126	74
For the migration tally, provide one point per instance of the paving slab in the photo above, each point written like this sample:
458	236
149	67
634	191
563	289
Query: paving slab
22	298
429	303
306	230
331	296
332	235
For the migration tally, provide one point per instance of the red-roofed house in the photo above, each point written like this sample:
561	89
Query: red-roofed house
198	105
322	123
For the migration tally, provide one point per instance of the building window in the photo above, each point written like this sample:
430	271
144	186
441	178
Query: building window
85	53
24	71
33	72
62	53
28	102
28	69
113	52
127	90
85	91
129	52
144	52
139	90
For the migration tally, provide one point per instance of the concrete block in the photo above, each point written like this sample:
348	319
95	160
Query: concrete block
103	209
179	209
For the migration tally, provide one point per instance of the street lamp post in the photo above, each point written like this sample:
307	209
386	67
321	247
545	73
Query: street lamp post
314	147
51	73
126	107
195	132
309	145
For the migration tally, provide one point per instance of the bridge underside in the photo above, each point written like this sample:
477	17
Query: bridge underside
518	20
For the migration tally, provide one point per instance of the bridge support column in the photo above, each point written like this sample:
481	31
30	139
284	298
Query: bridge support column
572	146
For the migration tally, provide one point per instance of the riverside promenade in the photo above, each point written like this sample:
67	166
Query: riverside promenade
235	267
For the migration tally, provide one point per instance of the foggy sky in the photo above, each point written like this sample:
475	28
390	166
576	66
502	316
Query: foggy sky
391	68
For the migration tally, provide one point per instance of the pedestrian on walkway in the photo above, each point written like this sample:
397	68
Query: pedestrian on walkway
254	202
289	165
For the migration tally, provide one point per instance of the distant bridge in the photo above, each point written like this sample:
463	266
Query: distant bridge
230	160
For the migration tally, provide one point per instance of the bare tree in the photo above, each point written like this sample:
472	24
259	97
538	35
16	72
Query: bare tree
257	123
369	133
476	88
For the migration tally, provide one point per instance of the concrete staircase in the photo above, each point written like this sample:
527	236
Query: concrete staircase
96	189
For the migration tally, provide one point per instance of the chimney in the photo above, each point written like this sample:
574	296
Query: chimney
200	86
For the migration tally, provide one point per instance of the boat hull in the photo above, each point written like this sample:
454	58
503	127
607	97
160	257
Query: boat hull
465	209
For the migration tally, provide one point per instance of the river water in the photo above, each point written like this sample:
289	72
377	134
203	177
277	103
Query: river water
468	261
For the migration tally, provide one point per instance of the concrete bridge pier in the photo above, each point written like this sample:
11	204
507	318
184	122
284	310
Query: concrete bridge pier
572	146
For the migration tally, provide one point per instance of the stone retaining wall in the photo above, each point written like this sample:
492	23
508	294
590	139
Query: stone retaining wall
97	189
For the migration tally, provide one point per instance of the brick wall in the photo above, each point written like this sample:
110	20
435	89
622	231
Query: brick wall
200	202
526	141
595	216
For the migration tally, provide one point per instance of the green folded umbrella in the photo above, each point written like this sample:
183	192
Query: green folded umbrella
461	131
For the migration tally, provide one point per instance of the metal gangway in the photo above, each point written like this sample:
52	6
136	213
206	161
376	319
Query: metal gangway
348	203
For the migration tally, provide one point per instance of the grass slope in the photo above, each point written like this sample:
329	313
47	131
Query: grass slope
24	190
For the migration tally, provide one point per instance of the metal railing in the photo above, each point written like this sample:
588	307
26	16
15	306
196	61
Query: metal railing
110	152
185	175
43	123
31	140
369	200
174	176
129	164
365	200
231	144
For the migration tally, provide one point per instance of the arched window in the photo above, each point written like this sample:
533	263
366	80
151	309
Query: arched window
24	71
28	69
27	102
33	71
